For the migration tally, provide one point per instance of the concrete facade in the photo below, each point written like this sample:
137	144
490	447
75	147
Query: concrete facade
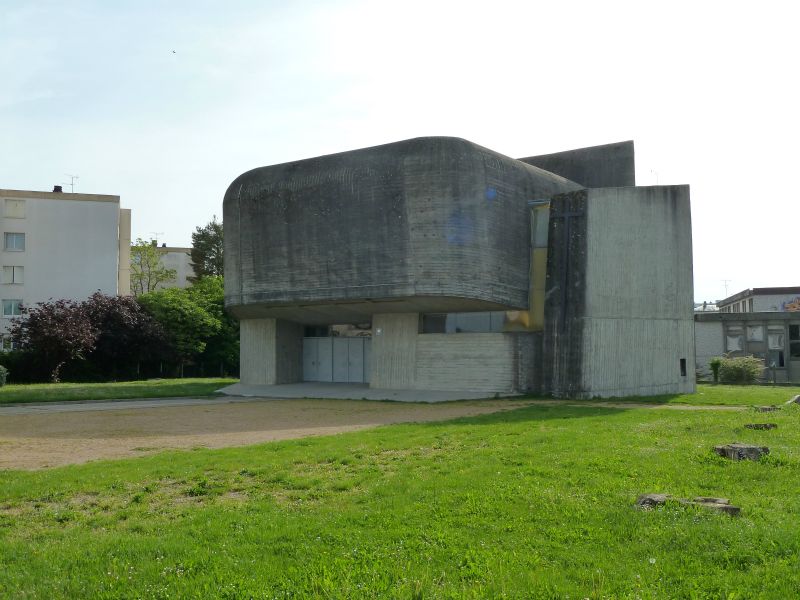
476	271
771	336
609	165
61	246
173	257
771	299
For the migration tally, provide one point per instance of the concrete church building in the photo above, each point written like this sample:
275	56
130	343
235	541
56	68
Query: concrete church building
464	270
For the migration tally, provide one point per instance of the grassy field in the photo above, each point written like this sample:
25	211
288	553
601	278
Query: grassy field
151	388
724	395
534	503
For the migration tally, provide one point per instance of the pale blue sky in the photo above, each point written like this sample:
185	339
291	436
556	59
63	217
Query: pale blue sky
706	90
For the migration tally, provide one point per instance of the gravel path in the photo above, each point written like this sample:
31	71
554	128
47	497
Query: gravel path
56	434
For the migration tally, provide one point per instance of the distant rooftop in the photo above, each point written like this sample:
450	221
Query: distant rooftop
58	195
766	291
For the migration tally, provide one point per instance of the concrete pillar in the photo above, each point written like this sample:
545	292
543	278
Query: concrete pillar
271	351
394	345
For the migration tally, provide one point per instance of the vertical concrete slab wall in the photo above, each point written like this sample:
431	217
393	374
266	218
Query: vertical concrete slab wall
271	351
709	341
638	321
394	344
288	352
609	165
562	350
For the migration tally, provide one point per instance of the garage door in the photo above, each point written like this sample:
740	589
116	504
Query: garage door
340	359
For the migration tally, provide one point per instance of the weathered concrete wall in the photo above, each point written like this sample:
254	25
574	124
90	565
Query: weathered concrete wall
529	362
402	358
609	165
565	297
271	352
439	220
638	320
708	343
393	357
288	352
481	362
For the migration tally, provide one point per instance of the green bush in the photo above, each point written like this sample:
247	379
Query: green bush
742	369
715	363
3	375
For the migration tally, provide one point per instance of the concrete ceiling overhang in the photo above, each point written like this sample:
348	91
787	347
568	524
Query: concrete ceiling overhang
429	224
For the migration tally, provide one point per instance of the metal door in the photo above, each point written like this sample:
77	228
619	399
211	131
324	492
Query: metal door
341	347
310	358
367	357
325	359
355	360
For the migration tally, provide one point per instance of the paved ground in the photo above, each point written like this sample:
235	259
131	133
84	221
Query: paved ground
55	434
49	435
352	391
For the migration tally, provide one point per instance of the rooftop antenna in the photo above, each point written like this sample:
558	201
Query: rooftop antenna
654	172
71	183
725	282
155	235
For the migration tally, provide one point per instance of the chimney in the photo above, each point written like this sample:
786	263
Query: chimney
57	189
164	245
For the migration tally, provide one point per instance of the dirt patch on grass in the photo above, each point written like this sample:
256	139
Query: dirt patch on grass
35	441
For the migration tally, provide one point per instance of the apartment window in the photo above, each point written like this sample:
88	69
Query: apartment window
794	341
734	340
14	242
755	333
14	209
6	344
13	274
775	359
12	308
750	305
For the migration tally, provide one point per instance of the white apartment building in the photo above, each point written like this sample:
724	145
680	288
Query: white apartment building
59	245
174	257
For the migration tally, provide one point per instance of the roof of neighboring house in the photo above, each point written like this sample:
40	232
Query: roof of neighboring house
767	291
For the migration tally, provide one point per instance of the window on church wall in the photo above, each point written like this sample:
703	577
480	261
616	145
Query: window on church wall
473	322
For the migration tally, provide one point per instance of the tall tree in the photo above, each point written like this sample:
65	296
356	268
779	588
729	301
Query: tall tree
187	324
207	243
55	332
222	347
147	270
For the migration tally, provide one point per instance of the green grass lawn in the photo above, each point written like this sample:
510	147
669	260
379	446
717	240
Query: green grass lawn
750	395
730	395
533	503
151	388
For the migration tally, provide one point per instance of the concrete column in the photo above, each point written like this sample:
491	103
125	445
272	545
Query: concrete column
271	351
394	347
